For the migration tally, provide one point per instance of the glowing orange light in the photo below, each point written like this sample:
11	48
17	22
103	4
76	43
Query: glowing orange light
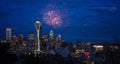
86	53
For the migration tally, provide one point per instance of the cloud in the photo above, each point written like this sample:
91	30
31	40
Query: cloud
104	10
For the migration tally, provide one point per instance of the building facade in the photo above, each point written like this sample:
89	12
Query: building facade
8	34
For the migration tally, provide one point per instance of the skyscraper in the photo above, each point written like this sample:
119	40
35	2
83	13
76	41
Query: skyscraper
59	37
46	37
8	34
40	33
38	24
21	36
51	35
31	36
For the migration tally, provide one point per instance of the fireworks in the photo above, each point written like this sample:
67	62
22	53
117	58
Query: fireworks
52	16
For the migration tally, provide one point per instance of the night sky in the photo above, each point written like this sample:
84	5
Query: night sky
88	20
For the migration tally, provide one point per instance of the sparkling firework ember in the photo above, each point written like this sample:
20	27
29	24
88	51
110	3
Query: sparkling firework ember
53	16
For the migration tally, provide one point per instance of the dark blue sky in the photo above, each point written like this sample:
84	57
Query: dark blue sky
89	20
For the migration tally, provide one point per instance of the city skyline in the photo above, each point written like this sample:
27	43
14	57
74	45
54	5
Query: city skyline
83	19
59	32
31	35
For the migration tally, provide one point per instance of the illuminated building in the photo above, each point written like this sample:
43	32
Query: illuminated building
38	24
31	36
87	53
21	36
58	41
62	40
45	43
51	35
59	38
77	51
88	46
98	47
8	34
45	37
30	44
15	39
40	33
89	60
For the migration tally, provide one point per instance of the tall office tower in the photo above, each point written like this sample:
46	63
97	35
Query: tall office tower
51	35
31	36
59	37
40	34
8	34
21	36
38	24
44	42
45	37
14	38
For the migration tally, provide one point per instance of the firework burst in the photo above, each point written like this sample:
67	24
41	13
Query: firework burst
52	16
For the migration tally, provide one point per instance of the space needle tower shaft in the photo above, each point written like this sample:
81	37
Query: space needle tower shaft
38	24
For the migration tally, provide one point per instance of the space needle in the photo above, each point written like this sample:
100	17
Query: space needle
38	24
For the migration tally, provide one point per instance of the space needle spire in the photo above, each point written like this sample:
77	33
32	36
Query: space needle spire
38	24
